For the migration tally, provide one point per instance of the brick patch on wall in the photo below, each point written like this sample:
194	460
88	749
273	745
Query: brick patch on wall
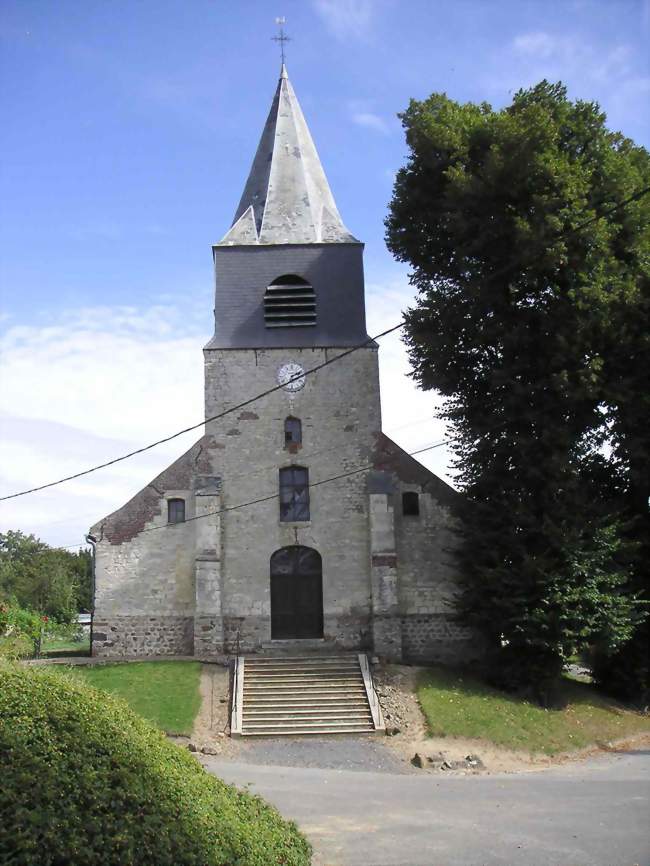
388	560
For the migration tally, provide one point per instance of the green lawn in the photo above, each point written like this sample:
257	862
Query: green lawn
457	705
166	693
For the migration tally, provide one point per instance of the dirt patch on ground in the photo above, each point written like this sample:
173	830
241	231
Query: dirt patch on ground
212	725
405	724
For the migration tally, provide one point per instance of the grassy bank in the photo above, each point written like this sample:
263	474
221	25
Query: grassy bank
165	693
457	705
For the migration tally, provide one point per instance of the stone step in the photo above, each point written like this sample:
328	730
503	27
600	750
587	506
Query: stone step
316	692
306	711
277	719
303	732
306	678
303	669
292	660
300	700
352	682
300	723
281	696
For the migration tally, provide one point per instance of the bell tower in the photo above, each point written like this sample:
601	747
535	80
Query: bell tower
290	295
287	225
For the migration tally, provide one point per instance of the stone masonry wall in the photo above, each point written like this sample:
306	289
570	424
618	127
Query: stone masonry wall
436	637
428	582
340	414
145	569
147	579
339	632
119	636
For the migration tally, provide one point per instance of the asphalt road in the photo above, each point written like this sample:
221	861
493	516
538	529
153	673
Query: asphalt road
592	813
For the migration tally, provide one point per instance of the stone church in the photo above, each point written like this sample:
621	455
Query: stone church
294	521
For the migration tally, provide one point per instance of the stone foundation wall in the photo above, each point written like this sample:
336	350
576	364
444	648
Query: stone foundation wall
437	637
424	637
341	632
348	631
253	631
143	636
208	636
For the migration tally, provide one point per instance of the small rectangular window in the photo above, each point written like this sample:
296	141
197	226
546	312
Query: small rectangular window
292	431
410	504
175	510
294	494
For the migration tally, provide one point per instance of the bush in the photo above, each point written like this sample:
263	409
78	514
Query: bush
20	631
85	781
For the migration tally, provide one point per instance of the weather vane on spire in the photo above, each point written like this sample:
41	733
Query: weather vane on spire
281	38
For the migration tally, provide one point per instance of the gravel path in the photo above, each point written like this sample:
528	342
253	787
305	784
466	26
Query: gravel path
365	753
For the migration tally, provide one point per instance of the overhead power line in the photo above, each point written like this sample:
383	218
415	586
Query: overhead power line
223	414
272	496
500	271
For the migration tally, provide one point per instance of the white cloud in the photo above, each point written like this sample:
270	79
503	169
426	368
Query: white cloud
346	18
567	56
408	414
96	383
371	121
87	387
590	69
535	44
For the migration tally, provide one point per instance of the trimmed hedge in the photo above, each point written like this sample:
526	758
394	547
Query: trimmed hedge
84	781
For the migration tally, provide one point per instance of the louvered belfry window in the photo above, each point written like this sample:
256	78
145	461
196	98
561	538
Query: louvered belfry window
289	302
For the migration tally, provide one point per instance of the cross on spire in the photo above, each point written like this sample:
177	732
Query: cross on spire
281	38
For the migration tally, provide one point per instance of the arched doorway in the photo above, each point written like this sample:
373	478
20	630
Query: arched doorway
296	593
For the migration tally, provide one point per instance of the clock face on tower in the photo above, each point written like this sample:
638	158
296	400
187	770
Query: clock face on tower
291	376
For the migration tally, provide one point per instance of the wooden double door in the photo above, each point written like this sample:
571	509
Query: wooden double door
296	593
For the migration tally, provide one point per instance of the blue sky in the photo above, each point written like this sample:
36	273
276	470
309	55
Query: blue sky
129	129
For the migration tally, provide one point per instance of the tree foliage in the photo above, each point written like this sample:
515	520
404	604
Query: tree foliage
530	251
52	581
21	631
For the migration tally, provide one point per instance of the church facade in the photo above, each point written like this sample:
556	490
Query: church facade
294	521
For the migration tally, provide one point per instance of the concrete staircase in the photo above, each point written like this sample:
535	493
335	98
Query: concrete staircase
285	695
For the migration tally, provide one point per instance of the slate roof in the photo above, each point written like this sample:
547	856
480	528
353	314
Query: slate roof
287	199
389	457
129	520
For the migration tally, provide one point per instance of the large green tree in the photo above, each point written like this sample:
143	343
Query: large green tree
528	241
38	577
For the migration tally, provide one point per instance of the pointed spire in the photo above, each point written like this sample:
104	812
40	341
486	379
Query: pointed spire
287	199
